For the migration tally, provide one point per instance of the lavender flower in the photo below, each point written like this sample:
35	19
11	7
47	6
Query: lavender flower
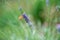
29	22
26	18
58	27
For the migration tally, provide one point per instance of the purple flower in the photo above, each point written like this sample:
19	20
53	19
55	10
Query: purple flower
58	25
26	18
58	28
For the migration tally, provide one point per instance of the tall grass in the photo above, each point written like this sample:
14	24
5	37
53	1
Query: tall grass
11	28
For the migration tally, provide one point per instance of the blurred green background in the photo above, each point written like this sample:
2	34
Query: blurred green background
38	11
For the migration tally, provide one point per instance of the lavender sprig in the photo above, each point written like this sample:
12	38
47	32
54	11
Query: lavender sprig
58	27
29	23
